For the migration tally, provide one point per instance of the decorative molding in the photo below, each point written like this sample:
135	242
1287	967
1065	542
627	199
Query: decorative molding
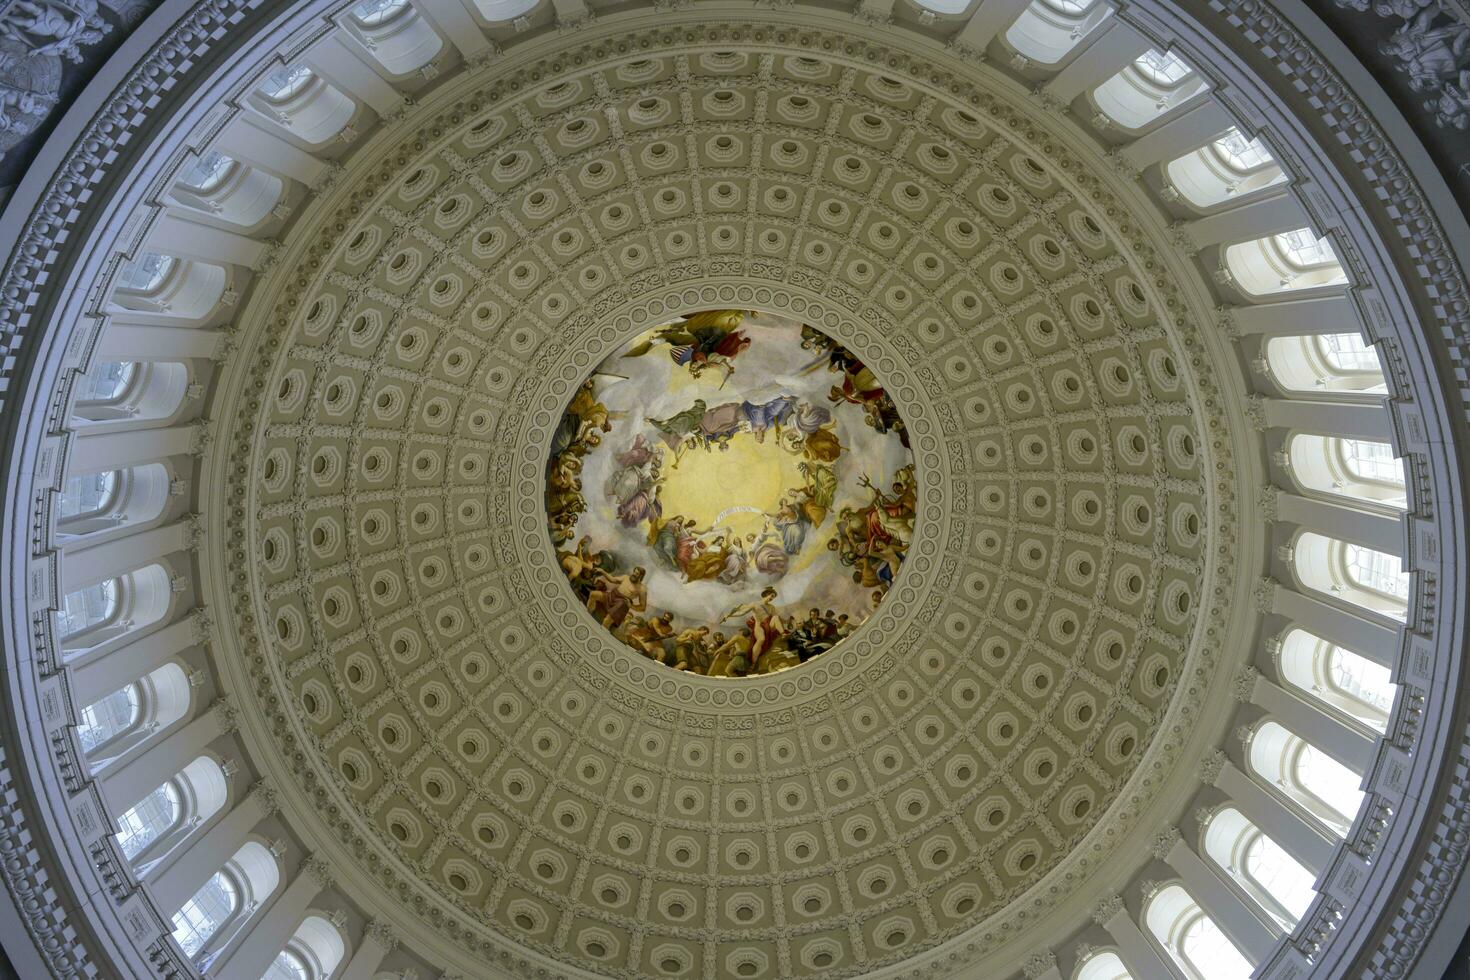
1164	842
1104	911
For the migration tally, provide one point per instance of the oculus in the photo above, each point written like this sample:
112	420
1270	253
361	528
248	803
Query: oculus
731	493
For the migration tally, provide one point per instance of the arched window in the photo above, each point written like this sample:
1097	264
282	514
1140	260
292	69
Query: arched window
114	724
376	13
1356	469
1153	84
286	82
116	391
1163	68
87	497
1376	571
1104	965
88	610
312	953
182	290
104	720
1241	154
1228	167
216	911
1338	678
147	274
398	38
97	502
207	172
103	611
1372	580
105	383
503	10
1192	938
1325	362
149	819
1291	260
288	965
1047	30
1273	878
205	912
1316	781
304	103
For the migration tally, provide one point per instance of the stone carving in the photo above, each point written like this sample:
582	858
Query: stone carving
1039	964
1431	47
1105	910
1212	765
1164	842
36	37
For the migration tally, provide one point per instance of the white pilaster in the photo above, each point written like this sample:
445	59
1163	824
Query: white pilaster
177	234
1250	933
95	450
1356	421
131	342
351	70
1179	134
377	942
1255	218
1143	959
205	855
247	140
454	21
992	17
86	566
136	778
1378	643
100	677
1295	835
1112	46
1286	316
267	935
1339	740
1377	531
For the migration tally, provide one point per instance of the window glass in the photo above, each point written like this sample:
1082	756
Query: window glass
1072	7
1376	570
106	719
287	966
1329	781
1240	153
1360	678
203	914
106	381
1280	875
148	819
87	607
1371	461
83	496
1304	249
1347	352
1162	68
371	13
285	82
207	172
146	274
1211	953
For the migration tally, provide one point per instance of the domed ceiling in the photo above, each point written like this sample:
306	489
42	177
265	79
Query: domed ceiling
469	743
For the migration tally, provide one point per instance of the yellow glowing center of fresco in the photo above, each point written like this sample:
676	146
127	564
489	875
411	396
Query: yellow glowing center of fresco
731	489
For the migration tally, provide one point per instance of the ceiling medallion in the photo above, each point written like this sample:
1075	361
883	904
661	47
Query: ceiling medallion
731	493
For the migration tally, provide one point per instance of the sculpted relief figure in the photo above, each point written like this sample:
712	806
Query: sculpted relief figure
35	37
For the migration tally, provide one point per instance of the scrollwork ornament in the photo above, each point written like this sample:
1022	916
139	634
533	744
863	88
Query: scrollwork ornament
1164	842
1105	911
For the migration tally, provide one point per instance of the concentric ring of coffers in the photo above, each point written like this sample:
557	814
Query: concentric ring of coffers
411	677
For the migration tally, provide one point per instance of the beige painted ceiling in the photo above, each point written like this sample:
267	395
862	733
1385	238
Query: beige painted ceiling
506	775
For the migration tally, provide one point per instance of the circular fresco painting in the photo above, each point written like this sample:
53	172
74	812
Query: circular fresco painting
731	493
